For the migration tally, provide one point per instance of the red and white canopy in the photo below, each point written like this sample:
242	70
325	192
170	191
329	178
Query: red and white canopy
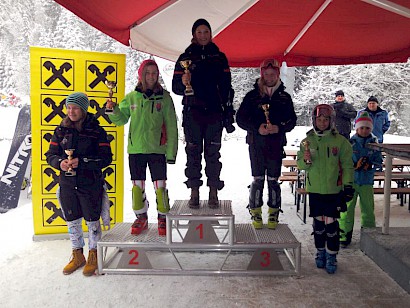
300	32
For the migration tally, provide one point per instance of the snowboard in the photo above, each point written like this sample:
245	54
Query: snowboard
17	161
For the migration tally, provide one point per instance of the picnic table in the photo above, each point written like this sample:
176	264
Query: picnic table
392	151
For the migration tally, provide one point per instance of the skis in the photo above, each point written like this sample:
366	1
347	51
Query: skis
15	168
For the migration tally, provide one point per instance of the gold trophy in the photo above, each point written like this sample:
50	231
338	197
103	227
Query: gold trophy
305	144
110	85
70	171
188	88
265	108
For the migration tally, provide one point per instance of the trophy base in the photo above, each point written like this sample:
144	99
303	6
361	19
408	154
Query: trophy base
109	111
70	173
189	92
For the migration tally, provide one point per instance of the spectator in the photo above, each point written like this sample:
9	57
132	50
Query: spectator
345	113
380	118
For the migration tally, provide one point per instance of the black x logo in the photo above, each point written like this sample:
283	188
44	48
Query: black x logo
101	77
106	173
57	212
100	111
57	73
57	110
54	176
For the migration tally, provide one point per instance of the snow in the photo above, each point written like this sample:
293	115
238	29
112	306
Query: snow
31	271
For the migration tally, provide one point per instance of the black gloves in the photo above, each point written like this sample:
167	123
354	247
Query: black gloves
363	164
348	192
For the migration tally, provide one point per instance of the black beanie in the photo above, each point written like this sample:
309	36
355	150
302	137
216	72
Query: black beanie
373	99
340	92
199	22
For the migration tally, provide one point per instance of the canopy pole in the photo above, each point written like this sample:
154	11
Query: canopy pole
307	26
390	6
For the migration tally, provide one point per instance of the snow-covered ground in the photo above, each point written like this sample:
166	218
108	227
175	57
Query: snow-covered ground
31	272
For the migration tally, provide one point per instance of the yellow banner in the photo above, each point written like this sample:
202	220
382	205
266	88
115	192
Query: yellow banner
55	73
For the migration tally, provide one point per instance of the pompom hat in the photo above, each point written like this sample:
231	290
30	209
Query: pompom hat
143	65
78	98
364	120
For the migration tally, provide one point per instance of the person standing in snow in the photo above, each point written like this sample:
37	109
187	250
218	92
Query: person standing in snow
267	114
206	110
366	162
326	157
380	118
345	113
152	142
81	180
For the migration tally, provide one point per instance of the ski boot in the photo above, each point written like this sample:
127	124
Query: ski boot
162	225
256	216
140	224
320	258
273	219
331	263
345	239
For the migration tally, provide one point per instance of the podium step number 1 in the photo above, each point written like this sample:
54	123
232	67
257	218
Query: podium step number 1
201	232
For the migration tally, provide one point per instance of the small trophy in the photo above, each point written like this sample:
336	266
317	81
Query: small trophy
70	171
188	89
110	85
305	144
265	108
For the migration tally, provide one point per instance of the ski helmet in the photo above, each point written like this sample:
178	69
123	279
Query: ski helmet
324	110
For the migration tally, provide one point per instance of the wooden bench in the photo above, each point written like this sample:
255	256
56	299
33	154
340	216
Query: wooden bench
400	191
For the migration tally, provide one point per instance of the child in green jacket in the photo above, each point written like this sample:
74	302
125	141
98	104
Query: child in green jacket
326	157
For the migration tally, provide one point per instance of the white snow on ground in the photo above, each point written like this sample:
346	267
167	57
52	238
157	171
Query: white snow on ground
31	272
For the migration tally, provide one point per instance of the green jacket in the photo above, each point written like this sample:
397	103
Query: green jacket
332	164
153	126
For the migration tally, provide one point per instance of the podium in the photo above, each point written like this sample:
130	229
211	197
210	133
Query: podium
200	241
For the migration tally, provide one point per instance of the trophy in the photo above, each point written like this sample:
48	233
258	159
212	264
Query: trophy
110	85
265	108
188	88
70	171
305	144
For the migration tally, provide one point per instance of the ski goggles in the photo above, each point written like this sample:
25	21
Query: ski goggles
324	110
269	63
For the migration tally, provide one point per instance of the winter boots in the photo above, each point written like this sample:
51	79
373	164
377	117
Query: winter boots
345	239
193	203
77	261
213	201
91	265
256	216
140	224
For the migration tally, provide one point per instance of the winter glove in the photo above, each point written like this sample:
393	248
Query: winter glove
363	164
348	192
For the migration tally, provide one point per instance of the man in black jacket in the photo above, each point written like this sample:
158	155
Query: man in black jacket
267	114
345	113
203	114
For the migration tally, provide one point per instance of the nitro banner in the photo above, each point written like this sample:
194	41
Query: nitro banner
55	73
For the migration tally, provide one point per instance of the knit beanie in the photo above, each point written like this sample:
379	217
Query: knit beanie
78	98
143	65
364	120
340	92
373	99
199	22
